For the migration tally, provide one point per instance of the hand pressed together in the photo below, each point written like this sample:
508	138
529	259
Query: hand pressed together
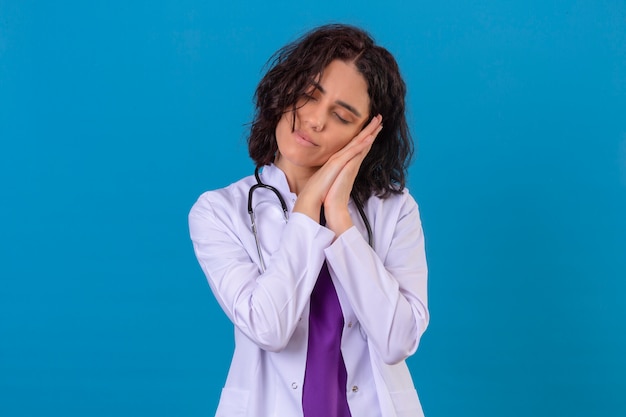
332	184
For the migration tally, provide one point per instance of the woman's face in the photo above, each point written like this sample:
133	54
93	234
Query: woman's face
333	113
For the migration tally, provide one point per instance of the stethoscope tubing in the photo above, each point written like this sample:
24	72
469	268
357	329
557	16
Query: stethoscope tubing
283	205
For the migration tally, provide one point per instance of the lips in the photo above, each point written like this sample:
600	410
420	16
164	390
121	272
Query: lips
303	138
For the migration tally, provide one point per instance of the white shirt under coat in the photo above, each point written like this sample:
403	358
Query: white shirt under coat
382	292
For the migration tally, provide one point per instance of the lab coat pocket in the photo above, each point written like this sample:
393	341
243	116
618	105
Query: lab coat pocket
406	403
233	403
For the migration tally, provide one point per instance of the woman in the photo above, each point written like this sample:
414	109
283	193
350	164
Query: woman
323	319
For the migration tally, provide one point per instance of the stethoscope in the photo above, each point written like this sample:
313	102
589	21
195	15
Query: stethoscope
283	205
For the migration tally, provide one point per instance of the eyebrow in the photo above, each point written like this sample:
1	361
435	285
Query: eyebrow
339	102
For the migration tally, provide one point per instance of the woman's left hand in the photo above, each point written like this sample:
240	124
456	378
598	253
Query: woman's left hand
336	201
332	184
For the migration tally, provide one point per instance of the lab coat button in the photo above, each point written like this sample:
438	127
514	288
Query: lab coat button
355	388
294	385
349	324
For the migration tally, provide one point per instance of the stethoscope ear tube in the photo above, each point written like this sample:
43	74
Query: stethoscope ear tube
260	184
283	205
359	207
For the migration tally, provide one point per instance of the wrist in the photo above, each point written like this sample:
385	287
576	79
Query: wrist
338	220
308	208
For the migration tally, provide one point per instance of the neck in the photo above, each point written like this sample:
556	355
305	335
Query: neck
297	177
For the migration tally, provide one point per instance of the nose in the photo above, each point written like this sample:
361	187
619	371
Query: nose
316	127
313	115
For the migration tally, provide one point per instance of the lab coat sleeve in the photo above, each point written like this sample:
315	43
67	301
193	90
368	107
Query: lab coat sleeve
387	290
265	307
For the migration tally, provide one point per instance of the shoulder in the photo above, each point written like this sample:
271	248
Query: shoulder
222	202
395	211
394	220
227	194
400	202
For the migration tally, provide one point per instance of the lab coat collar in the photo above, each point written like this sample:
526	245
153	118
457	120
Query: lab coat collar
273	175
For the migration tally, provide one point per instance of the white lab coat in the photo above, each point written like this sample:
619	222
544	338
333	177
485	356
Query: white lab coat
382	292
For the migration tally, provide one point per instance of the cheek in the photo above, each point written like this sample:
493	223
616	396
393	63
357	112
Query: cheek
345	137
283	128
336	144
341	143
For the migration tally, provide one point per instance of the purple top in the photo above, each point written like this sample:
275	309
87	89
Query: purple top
325	378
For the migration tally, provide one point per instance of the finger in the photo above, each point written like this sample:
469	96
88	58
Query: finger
372	128
357	154
363	142
373	124
365	146
374	134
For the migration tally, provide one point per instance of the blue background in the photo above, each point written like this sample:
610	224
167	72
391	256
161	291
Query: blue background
115	116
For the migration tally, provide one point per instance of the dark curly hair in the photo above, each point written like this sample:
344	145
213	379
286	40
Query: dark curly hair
294	67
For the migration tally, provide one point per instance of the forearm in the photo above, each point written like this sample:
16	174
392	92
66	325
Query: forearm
264	306
387	288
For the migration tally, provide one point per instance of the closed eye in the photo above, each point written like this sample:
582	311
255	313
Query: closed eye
341	119
309	97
